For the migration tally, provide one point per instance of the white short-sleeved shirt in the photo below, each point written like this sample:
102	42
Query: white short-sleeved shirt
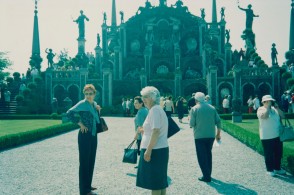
269	127
156	118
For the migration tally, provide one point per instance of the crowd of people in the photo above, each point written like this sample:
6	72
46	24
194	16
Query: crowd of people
151	132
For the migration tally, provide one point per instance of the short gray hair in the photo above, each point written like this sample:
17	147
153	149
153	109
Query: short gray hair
152	92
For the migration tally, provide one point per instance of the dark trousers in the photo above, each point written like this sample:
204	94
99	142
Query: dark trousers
87	154
273	152
204	155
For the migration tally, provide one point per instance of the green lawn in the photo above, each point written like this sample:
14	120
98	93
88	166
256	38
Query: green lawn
18	126
252	126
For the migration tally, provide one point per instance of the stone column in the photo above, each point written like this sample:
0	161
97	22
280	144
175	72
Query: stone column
83	80
178	79
222	36
228	58
117	69
48	86
212	84
98	61
237	82
107	87
143	78
177	56
123	40
81	45
104	39
276	81
147	56
202	28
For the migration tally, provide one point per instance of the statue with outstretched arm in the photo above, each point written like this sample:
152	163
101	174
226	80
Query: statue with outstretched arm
81	22
249	16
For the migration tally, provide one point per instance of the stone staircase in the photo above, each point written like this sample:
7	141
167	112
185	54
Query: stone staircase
11	107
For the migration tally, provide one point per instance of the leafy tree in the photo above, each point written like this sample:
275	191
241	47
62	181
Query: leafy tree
4	63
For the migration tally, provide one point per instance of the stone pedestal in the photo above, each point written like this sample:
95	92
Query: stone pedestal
81	45
237	117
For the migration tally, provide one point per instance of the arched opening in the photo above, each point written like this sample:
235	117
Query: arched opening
59	94
264	89
193	88
73	94
248	90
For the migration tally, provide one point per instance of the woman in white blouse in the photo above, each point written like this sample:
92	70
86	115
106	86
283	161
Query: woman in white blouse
152	170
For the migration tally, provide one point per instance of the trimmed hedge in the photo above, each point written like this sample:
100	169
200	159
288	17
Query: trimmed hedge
14	140
20	117
252	140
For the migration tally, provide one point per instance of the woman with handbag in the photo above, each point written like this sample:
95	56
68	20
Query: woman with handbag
152	170
139	120
86	114
269	116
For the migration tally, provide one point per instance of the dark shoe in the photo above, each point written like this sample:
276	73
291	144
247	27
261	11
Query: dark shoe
91	193
204	179
93	188
136	167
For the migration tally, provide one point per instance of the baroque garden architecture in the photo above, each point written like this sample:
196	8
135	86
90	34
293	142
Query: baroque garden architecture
167	47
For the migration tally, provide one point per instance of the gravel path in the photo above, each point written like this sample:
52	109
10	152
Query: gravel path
51	166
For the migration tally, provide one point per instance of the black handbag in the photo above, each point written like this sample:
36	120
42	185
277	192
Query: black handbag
173	128
130	155
102	126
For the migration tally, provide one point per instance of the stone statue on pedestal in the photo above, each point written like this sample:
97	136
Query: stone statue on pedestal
202	13
274	54
50	56
81	22
227	34
249	16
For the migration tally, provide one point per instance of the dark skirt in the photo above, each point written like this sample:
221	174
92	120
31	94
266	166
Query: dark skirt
153	175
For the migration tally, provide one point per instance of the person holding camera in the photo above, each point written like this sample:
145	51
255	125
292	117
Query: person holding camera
269	116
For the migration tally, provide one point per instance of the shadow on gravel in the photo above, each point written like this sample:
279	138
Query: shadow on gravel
226	188
286	178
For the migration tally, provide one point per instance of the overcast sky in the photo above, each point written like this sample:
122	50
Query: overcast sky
58	31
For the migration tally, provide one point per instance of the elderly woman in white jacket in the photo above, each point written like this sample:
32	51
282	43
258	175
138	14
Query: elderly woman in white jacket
269	116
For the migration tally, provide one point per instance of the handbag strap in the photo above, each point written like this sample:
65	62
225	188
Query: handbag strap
287	121
131	144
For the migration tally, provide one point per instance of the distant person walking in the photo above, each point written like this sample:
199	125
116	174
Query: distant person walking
89	121
204	119
256	103
169	106
269	116
152	170
139	119
124	107
180	108
250	104
226	104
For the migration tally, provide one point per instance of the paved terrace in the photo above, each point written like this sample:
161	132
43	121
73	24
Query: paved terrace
51	166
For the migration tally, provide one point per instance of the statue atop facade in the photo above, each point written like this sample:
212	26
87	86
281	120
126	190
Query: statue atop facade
122	17
222	12
227	34
81	22
249	16
147	6
104	17
50	56
202	13
274	55
98	39
180	5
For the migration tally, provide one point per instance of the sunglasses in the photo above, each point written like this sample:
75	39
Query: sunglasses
90	94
